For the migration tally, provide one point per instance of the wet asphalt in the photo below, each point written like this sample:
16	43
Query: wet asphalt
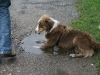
24	18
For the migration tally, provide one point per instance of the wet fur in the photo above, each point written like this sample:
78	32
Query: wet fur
70	38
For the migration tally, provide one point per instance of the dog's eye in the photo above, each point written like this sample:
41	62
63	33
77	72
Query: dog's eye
39	23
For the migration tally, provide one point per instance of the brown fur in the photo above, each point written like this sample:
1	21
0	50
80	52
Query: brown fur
70	38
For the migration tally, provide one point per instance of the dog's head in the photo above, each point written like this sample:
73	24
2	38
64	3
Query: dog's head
46	23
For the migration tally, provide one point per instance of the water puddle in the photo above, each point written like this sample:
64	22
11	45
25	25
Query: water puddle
28	43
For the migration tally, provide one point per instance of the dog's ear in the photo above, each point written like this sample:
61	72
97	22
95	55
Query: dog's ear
49	22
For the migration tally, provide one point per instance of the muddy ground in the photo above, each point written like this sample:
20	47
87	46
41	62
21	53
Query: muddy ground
24	17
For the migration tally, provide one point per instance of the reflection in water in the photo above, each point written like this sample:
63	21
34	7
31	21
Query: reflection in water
33	40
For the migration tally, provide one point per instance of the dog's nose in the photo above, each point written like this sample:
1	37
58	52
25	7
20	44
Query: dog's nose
35	31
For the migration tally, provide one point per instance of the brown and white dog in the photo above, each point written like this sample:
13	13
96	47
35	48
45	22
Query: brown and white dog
66	38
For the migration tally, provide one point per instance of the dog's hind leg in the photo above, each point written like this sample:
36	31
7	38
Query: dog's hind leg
83	47
89	53
77	55
83	53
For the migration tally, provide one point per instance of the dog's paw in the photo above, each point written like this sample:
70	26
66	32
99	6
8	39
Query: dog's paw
72	55
36	46
42	47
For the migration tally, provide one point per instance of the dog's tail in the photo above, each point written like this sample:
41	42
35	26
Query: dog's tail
96	45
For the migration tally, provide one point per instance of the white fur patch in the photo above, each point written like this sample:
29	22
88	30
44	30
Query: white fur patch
72	55
37	28
55	24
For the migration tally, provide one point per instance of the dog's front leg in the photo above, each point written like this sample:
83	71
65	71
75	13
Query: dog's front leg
46	47
49	45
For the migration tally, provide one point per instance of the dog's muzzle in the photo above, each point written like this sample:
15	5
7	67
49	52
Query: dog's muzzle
36	30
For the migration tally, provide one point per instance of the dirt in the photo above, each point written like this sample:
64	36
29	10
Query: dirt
24	18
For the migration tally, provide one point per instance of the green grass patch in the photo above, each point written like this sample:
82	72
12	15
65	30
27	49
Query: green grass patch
89	21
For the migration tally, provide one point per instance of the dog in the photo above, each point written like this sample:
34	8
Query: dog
66	37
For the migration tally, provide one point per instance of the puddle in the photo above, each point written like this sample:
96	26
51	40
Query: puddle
28	43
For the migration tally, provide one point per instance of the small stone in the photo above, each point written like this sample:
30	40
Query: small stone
4	70
92	64
84	65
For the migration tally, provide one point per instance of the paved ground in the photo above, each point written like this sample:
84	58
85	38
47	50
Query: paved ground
24	17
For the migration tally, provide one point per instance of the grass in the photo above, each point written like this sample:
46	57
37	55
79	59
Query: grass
89	21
